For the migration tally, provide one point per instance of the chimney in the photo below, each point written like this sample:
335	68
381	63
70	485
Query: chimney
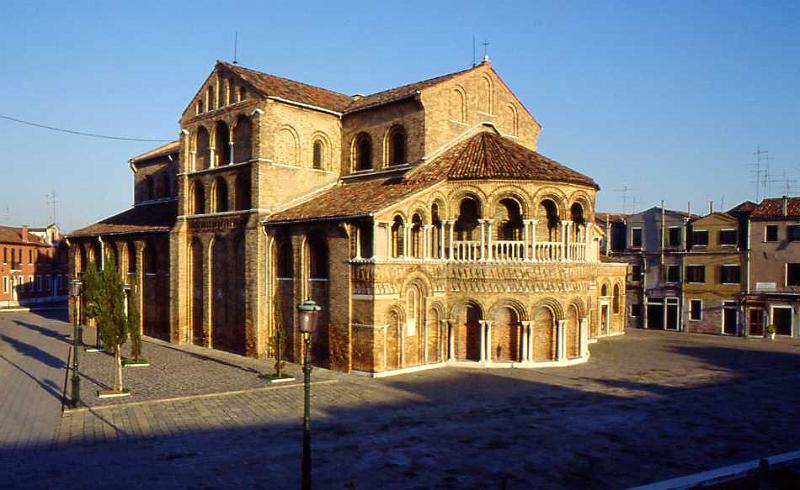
785	205
25	232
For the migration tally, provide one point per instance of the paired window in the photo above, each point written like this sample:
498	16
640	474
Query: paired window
673	273
696	273
771	233
674	237
793	274
727	238
695	309
729	274
636	238
793	233
700	238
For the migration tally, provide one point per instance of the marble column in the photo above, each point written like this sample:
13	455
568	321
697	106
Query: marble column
561	340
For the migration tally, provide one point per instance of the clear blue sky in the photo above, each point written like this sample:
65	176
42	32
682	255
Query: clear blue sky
669	98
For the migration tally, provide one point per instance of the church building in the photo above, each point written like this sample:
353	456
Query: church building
421	218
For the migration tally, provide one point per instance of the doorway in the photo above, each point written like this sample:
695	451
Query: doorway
673	314
655	314
756	322
782	319
729	317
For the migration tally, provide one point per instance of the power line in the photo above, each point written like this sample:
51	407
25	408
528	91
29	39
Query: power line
81	133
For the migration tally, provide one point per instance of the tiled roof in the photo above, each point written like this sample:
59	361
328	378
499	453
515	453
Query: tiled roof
745	207
13	234
292	90
144	218
485	155
601	218
166	149
773	208
327	99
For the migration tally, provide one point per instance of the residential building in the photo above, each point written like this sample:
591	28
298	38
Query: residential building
34	268
773	288
422	219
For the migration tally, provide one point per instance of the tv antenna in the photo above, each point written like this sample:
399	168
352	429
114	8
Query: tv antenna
760	171
625	191
235	47
52	201
788	185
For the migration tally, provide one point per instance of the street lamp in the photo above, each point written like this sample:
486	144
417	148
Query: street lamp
77	337
309	312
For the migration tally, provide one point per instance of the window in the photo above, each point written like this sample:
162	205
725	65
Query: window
636	273
397	146
700	238
318	155
771	233
30	256
363	156
5	284
674	238
727	238
729	274
636	310
636	237
695	309
673	273
696	273
793	274
793	233
5	255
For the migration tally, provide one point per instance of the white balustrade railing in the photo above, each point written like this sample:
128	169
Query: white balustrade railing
577	252
508	250
548	252
467	250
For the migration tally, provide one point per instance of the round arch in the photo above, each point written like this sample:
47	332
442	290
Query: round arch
553	305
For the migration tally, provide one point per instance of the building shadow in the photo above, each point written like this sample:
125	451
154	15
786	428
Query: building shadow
47	332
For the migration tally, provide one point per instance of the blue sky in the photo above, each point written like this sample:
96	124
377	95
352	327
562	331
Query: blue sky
668	98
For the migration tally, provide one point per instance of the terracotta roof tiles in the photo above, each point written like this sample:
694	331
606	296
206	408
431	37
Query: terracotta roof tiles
773	208
13	234
146	218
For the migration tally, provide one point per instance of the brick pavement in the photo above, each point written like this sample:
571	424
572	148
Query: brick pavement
647	406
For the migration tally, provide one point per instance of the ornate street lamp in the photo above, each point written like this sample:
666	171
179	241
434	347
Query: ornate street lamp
309	312
77	339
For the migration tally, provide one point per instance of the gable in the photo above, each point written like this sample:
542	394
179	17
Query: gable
221	88
715	219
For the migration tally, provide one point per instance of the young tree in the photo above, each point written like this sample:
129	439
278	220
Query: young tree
105	303
133	323
278	339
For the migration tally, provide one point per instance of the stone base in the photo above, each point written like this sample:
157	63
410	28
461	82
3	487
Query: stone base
113	393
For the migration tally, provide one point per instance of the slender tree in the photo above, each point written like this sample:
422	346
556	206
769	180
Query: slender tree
105	299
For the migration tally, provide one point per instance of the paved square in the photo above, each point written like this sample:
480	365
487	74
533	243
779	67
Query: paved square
647	406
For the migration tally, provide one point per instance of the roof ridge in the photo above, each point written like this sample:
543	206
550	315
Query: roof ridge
262	73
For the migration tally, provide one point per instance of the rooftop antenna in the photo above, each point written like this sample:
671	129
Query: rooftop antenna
473	50
787	184
759	171
235	47
52	201
625	191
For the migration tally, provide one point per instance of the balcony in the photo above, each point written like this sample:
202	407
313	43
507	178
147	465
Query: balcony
519	251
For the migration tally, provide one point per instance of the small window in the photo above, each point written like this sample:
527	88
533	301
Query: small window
317	158
696	274
695	309
363	156
636	237
200	107
636	273
700	238
729	274
674	239
636	310
5	284
727	238
793	274
673	273
793	233
771	233
397	146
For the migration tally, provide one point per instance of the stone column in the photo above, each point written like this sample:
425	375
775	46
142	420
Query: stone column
530	341
525	239
560	340
425	339
482	327
489	341
451	340
525	354
567	227
375	225
489	251
406	233
452	225
193	161
533	240
211	154
482	222
426	249
584	336
441	240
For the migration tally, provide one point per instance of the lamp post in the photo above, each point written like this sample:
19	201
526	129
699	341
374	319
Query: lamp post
309	311
77	334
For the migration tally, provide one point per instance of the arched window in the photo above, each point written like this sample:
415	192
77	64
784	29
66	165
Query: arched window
512	121
199	198
242	94
458	105
466	225
285	260
200	107
243	198
220	195
242	140
397	146
578	220
201	157
604	290
413	305
398	231
509	220
317	250
486	95
318	154
548	212
210	98
363	152
615	299
416	236
131	258
224	88
222	146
